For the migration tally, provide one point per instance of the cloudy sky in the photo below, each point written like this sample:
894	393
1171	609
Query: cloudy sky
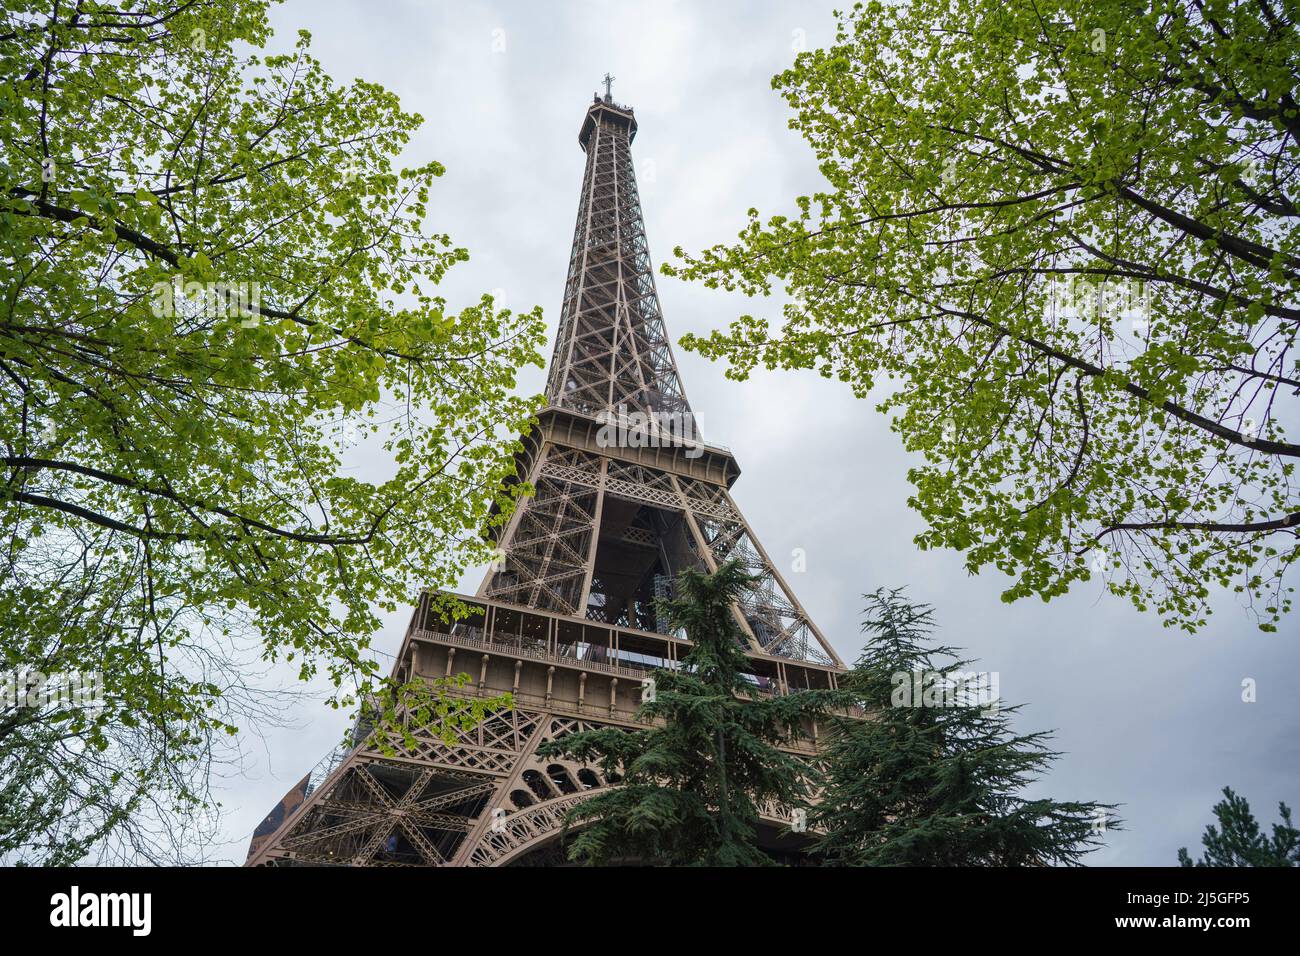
1146	717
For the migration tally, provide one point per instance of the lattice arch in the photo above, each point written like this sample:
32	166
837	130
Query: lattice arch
533	828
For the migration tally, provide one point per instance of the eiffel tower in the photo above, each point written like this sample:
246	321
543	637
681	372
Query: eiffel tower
627	494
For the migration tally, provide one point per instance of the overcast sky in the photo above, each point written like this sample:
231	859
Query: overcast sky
1146	717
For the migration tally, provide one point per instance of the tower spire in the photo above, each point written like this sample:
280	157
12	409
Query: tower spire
612	353
630	465
609	83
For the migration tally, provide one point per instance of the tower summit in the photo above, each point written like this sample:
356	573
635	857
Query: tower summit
626	495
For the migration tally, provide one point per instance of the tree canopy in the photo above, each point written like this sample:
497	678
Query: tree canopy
215	284
1064	234
1238	841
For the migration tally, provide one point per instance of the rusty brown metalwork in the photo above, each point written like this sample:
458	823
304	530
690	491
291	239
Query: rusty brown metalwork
627	494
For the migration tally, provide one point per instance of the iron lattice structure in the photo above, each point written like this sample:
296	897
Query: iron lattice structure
627	494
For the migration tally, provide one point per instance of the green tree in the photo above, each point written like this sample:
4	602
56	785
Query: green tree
692	787
1065	234
1239	842
932	777
215	283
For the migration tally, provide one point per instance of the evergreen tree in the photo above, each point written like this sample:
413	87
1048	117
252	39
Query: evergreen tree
1239	842
932	777
692	786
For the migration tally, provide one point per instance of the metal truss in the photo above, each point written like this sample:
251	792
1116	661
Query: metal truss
612	349
487	800
566	543
566	618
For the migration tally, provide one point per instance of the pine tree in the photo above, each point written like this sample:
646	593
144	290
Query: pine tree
1239	842
692	786
932	777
